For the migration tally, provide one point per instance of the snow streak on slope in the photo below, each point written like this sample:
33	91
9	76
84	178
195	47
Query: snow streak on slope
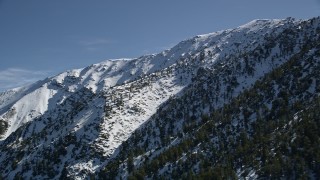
129	106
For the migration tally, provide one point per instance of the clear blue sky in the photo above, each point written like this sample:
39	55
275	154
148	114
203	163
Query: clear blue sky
40	38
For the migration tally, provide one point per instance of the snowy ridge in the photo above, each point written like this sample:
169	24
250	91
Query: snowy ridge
97	108
178	121
109	73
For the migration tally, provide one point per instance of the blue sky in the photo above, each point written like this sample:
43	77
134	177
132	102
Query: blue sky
40	38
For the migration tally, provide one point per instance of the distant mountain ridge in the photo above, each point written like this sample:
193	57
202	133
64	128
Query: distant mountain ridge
118	118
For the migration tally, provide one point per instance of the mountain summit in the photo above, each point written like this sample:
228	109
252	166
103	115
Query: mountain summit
230	104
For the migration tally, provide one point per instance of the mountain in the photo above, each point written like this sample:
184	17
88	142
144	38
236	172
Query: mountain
239	103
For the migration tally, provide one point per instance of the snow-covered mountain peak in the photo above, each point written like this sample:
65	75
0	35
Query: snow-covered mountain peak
101	76
270	23
97	108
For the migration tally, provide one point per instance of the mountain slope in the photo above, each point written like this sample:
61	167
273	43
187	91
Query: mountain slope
269	130
110	116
